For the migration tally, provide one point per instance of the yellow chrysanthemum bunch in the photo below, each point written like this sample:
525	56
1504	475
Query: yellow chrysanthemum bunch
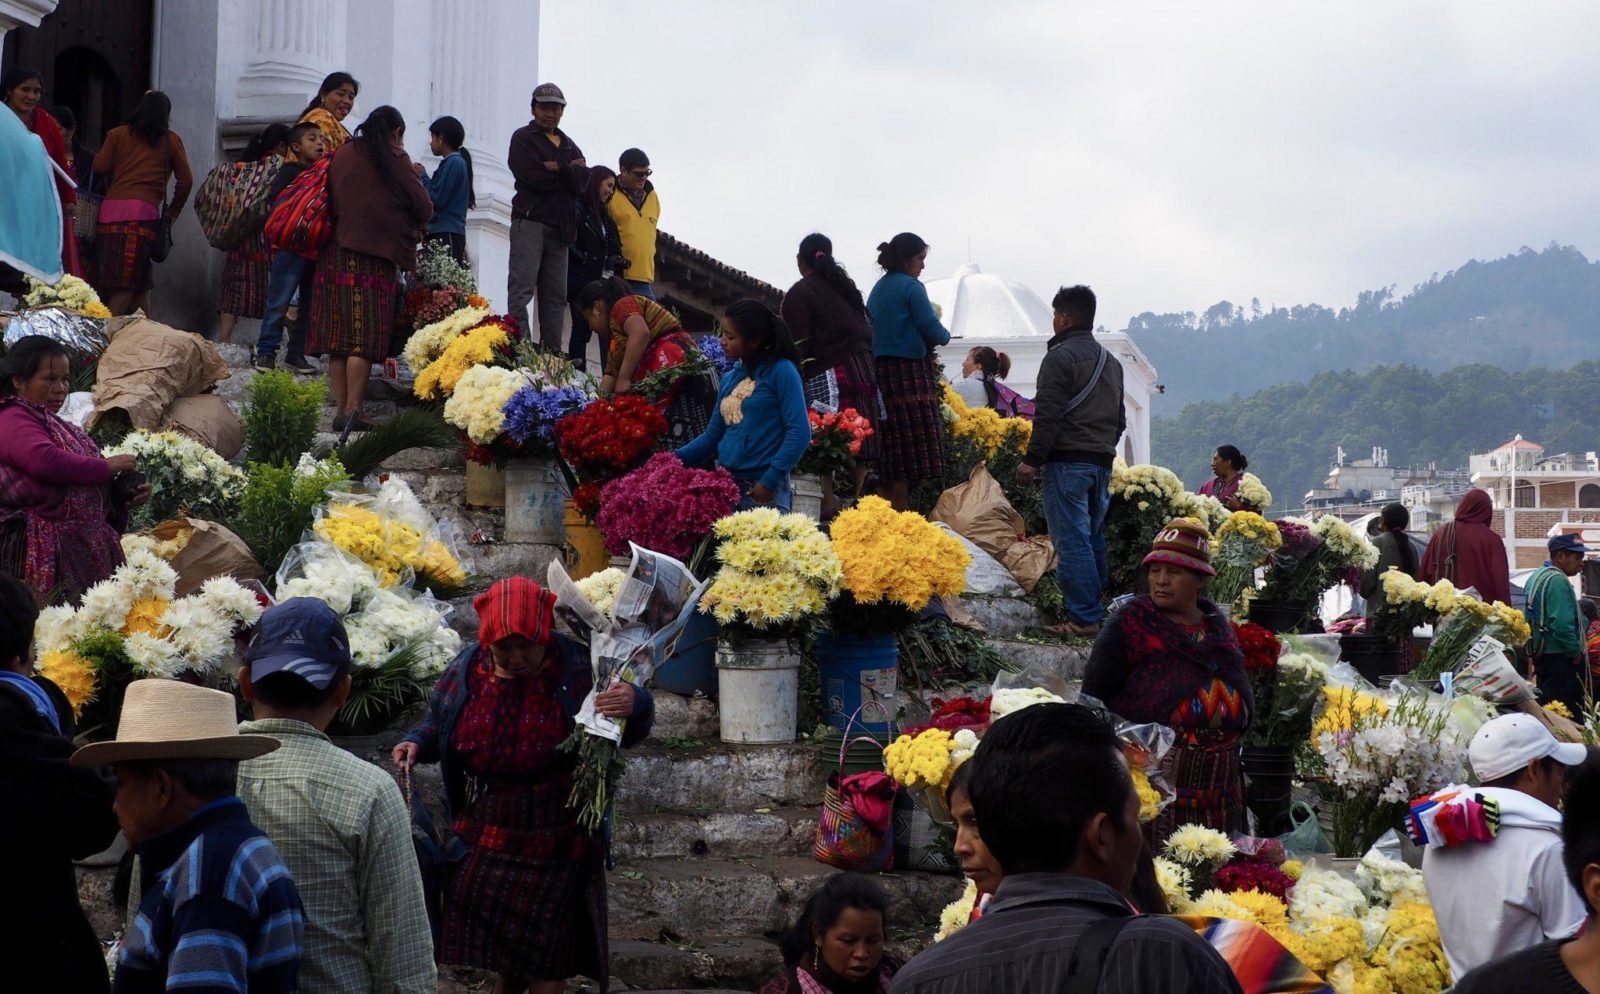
430	340
72	673
1195	845
1510	625
984	426
897	556
1411	953
390	547
473	348
1342	706
1398	588
957	913
776	569
1252	527
923	761
1149	797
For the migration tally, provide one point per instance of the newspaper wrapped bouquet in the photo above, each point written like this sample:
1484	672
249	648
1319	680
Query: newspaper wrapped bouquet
632	622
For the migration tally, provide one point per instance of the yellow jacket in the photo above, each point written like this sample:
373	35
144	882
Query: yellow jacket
638	228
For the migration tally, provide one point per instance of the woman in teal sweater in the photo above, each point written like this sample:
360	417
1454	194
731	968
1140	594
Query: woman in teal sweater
759	428
905	331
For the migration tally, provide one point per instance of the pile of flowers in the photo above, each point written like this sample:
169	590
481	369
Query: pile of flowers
439	286
895	563
531	414
664	506
392	534
777	570
984	428
187	478
429	342
1463	621
1244	542
1144	498
505	413
1315	557
836	438
72	294
477	404
606	439
133	625
488	343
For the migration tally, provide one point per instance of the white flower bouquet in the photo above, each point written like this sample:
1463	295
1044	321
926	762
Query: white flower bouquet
186	477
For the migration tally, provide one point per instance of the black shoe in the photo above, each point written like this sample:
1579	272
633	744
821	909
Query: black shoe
300	364
265	363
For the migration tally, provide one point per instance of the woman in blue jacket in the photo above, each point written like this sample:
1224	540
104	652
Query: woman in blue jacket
758	429
905	332
450	186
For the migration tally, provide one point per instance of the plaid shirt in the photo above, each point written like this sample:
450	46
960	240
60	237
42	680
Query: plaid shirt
342	829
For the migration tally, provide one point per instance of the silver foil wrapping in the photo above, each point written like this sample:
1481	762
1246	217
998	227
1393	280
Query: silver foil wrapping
85	337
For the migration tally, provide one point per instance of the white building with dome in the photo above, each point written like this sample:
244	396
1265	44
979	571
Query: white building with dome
982	309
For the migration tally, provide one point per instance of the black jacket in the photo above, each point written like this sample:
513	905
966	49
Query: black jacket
53	813
1090	432
598	240
545	195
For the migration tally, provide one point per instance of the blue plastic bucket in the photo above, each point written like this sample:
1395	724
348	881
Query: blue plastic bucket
693	664
858	675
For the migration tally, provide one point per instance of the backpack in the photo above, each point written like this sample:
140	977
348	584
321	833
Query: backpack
301	222
232	200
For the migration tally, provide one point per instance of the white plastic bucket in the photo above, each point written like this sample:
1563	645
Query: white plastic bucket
536	495
758	691
808	496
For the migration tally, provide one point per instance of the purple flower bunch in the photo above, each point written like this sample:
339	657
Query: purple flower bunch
532	412
711	345
1299	541
665	506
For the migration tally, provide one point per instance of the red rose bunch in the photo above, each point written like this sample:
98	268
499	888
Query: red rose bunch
605	440
954	715
1250	874
1260	647
836	439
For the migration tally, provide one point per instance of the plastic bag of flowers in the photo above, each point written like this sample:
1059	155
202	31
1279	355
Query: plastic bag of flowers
390	532
322	570
1015	691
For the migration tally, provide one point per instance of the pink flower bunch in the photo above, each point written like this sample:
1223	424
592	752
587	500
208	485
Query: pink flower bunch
664	506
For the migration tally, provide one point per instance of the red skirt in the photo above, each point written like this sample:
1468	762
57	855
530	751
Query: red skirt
911	434
122	256
352	304
244	278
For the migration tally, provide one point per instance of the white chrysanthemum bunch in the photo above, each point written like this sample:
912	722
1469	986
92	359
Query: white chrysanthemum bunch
1253	492
344	583
1323	894
390	623
478	405
1153	484
1345	543
71	292
1197	846
1011	699
1175	881
430	340
600	589
1389	880
966	746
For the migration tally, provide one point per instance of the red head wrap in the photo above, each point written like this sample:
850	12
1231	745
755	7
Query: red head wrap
514	606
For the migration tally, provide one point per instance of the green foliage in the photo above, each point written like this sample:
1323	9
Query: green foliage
937	653
281	416
412	428
381	695
277	507
1290	431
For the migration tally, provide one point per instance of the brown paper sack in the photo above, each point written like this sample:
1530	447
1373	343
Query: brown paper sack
212	551
978	509
208	420
148	365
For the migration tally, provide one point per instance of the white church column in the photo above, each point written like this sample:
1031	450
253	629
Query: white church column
22	14
296	44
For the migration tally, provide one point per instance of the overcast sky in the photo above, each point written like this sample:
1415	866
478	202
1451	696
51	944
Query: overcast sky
1171	155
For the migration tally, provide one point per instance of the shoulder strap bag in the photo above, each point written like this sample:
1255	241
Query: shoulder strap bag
1089	958
1094	380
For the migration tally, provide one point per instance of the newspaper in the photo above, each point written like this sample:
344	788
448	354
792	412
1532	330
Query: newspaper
656	600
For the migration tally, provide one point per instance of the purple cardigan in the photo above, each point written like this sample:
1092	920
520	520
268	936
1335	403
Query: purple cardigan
42	472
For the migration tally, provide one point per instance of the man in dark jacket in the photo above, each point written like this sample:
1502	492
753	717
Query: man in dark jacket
54	813
1077	423
550	173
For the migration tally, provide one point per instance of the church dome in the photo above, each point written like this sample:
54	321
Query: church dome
976	305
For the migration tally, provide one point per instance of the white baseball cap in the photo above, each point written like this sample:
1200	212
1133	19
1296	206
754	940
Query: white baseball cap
1510	742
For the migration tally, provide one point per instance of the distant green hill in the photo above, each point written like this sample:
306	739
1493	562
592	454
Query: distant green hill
1526	310
1290	431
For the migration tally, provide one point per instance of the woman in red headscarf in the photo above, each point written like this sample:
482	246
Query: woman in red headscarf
1469	553
528	899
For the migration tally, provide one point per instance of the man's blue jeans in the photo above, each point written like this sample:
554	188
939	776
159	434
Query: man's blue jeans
1076	495
289	272
642	289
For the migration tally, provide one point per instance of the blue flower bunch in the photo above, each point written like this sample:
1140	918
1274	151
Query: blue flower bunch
711	345
532	412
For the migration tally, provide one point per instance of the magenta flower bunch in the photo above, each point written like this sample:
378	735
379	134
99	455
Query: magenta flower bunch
665	506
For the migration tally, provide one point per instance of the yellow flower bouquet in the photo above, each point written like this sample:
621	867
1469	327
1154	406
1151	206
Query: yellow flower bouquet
391	533
988	432
487	344
1245	541
777	571
894	564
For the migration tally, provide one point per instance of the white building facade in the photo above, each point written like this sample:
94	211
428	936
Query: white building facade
233	67
982	309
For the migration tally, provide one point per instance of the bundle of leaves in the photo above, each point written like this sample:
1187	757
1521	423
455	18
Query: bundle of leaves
278	505
281	415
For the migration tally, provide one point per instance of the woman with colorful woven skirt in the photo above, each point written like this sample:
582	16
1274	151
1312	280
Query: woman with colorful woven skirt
138	159
1170	657
905	332
243	293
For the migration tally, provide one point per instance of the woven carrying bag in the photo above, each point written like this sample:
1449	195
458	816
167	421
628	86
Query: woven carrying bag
86	212
232	200
845	838
301	221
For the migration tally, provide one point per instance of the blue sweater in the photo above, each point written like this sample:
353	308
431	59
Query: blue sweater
771	437
219	912
448	188
904	324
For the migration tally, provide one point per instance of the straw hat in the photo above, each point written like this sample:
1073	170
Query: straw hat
166	719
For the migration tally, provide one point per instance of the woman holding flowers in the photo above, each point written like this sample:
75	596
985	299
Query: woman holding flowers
59	523
1227	467
1170	657
647	339
759	429
528	899
1395	551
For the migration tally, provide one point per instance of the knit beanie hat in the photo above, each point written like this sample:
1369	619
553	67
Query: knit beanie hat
1183	543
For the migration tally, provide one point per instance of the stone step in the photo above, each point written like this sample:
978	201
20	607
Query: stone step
1066	660
741	963
719	777
750	896
1003	617
685	718
724	834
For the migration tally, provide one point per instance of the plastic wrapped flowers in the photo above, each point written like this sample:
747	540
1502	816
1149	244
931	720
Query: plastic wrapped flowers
132	625
777	570
391	533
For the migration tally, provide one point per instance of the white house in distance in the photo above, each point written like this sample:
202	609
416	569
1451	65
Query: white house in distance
982	309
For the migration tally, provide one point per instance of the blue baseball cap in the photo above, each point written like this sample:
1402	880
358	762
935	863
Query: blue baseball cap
302	636
1567	543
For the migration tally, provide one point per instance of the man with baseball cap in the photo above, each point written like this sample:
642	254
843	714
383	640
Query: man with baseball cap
550	174
217	910
1557	646
1511	892
341	823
